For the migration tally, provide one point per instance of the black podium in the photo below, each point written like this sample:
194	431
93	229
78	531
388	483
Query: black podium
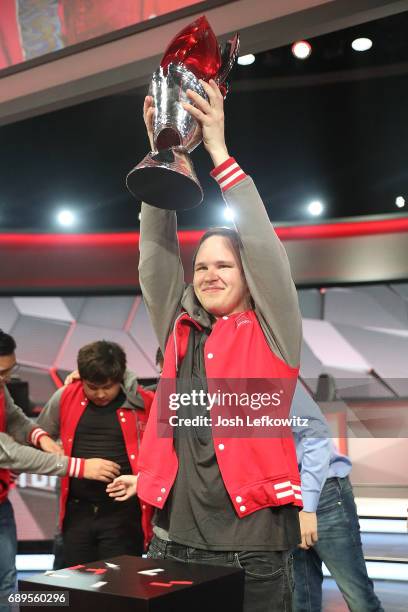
134	584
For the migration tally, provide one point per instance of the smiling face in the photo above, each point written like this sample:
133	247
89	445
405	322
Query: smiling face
101	395
219	282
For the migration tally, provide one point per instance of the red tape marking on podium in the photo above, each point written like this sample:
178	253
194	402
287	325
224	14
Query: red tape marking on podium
96	570
75	567
171	583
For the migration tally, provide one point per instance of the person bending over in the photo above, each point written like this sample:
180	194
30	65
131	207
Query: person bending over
103	413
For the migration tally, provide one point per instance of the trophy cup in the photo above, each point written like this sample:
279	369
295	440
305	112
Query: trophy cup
165	177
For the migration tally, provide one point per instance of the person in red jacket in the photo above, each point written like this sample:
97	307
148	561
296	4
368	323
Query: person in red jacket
221	499
104	412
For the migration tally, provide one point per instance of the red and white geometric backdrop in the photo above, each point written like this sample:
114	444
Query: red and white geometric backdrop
357	334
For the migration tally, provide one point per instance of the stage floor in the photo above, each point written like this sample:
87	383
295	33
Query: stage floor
393	595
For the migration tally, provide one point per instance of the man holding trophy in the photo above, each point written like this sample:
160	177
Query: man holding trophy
219	500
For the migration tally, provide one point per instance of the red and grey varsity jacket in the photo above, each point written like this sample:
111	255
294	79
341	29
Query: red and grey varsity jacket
257	472
132	422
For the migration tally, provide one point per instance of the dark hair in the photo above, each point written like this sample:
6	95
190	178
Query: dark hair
226	232
159	357
102	361
7	344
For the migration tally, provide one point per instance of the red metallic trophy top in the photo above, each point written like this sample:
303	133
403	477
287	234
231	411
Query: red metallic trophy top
196	47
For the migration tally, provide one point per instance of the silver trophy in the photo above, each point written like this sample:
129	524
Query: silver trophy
166	177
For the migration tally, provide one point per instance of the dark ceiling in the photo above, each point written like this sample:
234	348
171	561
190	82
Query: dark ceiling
333	128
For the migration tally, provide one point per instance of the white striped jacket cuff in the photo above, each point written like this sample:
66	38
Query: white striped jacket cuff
36	434
286	489
76	467
228	174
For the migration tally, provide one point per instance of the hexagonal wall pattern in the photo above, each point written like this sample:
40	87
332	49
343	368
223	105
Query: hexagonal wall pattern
356	334
49	331
348	332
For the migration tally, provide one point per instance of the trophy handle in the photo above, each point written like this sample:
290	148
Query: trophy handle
229	55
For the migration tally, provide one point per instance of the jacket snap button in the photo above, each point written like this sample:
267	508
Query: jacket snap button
238	499
210	355
83	403
123	420
144	507
225	318
163	490
121	413
221	447
242	508
159	499
132	456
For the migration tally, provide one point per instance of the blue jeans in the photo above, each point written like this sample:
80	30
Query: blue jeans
339	547
8	551
268	575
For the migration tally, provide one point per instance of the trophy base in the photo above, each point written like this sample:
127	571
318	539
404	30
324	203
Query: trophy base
166	179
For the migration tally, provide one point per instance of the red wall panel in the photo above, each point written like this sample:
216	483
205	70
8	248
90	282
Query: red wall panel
361	251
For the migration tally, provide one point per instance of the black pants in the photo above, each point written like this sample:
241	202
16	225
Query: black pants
268	575
99	531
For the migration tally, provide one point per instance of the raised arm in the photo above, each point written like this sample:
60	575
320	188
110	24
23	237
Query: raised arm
267	271
264	259
161	273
